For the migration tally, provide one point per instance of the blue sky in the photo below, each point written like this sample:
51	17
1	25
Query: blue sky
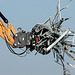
25	14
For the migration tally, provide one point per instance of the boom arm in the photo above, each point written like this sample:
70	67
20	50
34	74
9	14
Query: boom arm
5	32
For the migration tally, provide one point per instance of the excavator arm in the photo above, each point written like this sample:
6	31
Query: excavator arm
5	33
11	36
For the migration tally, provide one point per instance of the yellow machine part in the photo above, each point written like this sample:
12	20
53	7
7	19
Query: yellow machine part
5	32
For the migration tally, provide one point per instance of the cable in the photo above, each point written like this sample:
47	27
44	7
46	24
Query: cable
12	51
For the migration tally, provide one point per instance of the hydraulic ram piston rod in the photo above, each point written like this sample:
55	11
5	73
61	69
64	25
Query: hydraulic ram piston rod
51	46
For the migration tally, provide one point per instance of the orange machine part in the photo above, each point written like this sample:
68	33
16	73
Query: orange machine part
5	32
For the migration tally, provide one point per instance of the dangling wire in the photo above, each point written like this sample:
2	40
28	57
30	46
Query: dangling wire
61	10
12	51
69	55
65	71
